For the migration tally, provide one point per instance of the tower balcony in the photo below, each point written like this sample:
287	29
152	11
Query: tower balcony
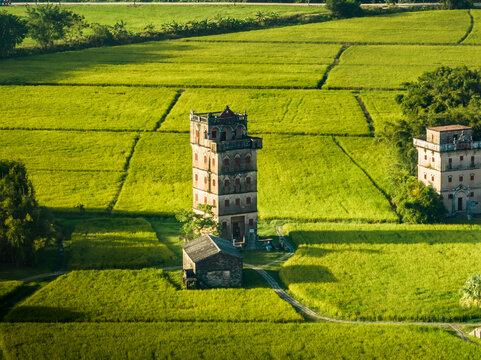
246	143
422	143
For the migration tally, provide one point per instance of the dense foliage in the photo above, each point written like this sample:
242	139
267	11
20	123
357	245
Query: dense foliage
49	23
24	226
471	292
457	4
344	8
196	224
13	30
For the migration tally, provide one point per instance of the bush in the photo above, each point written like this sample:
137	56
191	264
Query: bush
48	23
458	4
12	32
344	8
471	292
24	226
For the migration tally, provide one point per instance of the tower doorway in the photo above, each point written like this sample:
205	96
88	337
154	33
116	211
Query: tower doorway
460	204
238	227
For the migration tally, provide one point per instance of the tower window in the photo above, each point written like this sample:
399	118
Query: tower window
432	159
213	202
461	178
196	133
205	159
213	182
226	183
471	177
450	196
237	202
226	202
450	161
224	225
205	179
205	199
425	157
196	177
472	194
472	159
425	176
248	180
248	201
461	158
226	162
196	157
251	222
237	161
196	197
432	177
214	134
237	182
248	159
450	179
213	162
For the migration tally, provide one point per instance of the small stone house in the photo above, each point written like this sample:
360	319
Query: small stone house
209	261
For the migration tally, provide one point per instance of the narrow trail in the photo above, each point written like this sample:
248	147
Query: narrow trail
322	82
470	29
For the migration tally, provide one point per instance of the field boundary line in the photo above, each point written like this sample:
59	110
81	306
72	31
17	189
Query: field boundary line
388	198
367	115
168	110
323	80
112	204
470	29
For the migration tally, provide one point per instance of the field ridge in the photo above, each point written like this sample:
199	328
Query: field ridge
470	29
169	109
388	198
323	80
368	116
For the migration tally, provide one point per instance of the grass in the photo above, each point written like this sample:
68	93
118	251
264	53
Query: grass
7	288
475	36
261	257
231	340
64	190
160	178
176	63
382	107
146	295
362	150
276	111
389	66
106	243
310	178
57	150
426	27
383	271
139	16
167	231
84	108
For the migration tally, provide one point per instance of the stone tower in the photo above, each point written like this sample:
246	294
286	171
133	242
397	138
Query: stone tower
450	162
224	170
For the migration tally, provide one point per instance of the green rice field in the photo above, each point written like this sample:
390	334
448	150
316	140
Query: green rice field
189	340
383	271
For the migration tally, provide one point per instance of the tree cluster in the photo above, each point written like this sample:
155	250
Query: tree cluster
24	225
344	8
196	224
13	30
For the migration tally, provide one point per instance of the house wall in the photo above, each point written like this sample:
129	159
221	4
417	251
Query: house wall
220	270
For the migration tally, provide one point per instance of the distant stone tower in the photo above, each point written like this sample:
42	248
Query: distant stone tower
450	162
224	170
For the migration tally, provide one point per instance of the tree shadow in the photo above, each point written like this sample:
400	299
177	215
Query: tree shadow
303	274
42	314
403	235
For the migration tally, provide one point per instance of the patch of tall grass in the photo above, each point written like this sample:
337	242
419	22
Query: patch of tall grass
383	271
146	295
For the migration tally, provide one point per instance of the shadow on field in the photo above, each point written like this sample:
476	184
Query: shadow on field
301	274
60	66
42	314
399	236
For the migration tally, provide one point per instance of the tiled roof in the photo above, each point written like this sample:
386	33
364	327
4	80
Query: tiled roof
208	245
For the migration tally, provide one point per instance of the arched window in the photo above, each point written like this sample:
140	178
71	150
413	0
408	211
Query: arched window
248	159
226	203
237	182
237	160
226	183
248	201
226	162
248	180
196	177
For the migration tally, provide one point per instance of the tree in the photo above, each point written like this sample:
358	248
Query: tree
48	23
458	4
344	8
441	97
24	226
13	30
196	224
471	292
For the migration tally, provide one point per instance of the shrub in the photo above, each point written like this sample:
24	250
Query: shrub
344	8
471	292
48	23
457	4
24	227
13	30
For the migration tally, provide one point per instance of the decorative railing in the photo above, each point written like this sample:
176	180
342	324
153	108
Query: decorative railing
447	147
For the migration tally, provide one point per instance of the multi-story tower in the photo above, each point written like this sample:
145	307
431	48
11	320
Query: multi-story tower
224	170
450	162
